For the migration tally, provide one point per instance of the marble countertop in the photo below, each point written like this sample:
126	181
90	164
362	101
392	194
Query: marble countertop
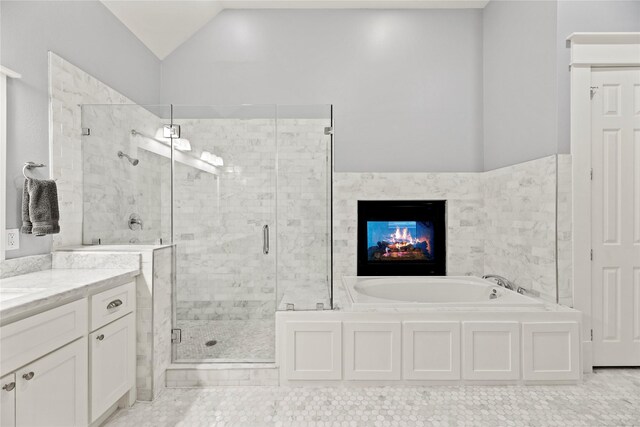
31	293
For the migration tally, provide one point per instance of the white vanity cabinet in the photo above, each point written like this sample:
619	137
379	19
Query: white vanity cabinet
112	353
8	401
112	348
52	391
67	366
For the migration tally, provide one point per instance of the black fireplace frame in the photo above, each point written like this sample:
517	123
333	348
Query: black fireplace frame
403	210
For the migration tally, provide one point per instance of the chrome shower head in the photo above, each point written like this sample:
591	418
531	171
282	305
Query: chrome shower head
131	159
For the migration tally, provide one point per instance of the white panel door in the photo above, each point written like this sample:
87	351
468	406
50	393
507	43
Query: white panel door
615	221
431	350
52	391
113	363
8	401
371	350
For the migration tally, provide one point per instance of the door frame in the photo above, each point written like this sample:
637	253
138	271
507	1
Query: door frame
589	50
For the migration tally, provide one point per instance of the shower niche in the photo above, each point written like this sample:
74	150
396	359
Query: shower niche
236	189
401	238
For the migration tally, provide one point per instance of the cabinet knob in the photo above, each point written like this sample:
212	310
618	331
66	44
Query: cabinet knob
113	304
9	387
28	376
100	337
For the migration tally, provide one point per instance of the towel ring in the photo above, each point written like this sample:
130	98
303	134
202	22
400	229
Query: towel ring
31	165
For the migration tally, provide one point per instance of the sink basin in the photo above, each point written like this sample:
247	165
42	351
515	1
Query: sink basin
10	293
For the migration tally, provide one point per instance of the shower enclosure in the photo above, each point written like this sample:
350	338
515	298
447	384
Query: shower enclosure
244	193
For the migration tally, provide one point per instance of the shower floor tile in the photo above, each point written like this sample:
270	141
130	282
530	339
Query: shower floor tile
236	340
608	397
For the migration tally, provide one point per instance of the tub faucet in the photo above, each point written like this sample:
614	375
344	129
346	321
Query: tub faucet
501	281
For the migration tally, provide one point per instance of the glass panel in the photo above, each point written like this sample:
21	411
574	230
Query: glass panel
304	206
225	233
126	188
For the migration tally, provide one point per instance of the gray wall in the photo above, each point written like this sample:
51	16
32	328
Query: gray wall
526	72
86	34
519	81
406	84
586	16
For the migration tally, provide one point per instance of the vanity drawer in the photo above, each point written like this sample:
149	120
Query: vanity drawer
26	340
112	304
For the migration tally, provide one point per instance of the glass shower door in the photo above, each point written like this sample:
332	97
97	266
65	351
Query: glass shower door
224	220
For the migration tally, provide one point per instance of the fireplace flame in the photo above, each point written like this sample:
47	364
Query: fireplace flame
401	239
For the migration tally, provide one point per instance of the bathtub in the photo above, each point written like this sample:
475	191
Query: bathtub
431	291
429	330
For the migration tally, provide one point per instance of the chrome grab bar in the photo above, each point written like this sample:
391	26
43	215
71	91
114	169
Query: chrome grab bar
265	239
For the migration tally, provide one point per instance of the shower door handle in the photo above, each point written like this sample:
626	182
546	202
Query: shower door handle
265	239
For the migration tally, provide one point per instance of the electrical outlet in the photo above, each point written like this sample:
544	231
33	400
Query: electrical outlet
13	239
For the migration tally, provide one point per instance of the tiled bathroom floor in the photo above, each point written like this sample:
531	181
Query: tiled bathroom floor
609	397
245	340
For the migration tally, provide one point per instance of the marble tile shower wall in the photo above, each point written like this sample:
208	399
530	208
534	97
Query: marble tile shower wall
97	190
228	277
69	87
114	189
520	225
221	270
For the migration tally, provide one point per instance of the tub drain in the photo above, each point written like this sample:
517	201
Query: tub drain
211	343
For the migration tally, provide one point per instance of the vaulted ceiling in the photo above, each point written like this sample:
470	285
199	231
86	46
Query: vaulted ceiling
163	25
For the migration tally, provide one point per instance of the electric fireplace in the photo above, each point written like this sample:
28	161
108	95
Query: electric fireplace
402	238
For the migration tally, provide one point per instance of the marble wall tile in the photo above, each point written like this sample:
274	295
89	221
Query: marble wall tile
24	265
465	215
144	329
93	260
70	87
177	378
303	213
500	221
221	270
163	281
113	188
565	240
520	230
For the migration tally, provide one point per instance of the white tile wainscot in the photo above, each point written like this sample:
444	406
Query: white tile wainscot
436	346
